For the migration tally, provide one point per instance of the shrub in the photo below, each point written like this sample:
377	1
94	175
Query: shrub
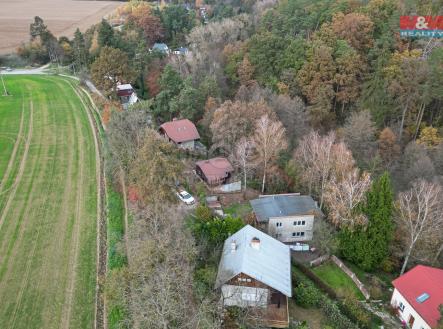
203	213
335	317
204	279
355	311
318	282
306	295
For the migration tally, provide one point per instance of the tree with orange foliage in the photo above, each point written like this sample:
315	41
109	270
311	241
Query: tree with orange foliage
150	24
355	28
388	147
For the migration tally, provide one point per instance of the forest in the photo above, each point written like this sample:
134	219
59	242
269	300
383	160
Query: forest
321	97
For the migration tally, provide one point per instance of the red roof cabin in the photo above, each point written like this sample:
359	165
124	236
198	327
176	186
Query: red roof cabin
214	171
183	133
418	295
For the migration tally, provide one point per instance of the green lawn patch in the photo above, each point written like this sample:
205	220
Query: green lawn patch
238	209
334	277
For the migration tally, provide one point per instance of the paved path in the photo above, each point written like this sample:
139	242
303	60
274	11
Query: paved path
38	70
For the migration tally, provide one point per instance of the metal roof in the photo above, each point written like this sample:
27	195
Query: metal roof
270	264
268	206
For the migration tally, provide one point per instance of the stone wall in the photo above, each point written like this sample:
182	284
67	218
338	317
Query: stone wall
352	275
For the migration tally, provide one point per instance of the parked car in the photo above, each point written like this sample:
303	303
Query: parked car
185	197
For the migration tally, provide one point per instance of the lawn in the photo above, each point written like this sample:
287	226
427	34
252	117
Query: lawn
48	206
238	209
334	277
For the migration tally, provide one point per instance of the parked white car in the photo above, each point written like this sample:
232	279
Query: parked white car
186	197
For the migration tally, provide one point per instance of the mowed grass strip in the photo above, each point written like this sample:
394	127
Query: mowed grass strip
334	277
48	239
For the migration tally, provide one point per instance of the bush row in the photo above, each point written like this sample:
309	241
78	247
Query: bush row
307	294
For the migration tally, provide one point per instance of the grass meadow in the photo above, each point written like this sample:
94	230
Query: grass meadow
48	206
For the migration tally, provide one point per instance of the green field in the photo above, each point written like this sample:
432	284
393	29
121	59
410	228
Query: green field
48	206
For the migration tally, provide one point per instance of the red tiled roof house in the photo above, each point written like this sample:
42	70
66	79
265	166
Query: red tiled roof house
183	133
214	171
418	295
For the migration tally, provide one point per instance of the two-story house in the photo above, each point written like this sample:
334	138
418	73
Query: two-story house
417	296
255	272
287	217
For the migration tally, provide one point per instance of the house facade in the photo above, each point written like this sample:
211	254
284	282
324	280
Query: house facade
183	133
287	217
255	272
417	296
127	95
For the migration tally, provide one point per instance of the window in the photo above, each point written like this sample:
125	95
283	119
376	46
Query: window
302	233
303	222
401	307
293	233
295	222
278	224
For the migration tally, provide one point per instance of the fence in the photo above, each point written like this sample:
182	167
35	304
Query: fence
352	275
318	260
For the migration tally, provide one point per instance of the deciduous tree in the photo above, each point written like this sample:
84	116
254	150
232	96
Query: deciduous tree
344	196
243	154
419	216
111	67
234	120
269	140
155	169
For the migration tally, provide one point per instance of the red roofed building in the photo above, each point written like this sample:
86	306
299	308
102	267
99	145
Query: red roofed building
214	171
418	295
181	132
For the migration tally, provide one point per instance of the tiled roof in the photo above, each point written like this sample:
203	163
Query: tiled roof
180	130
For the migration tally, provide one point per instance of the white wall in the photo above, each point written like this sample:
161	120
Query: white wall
244	296
284	232
187	145
419	323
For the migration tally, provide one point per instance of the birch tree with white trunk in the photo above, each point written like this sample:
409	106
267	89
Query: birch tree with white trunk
343	196
243	154
269	140
419	215
322	158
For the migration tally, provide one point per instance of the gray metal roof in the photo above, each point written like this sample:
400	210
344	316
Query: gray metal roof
270	264
268	206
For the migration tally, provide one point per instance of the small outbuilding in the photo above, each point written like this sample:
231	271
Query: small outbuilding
183	133
127	95
161	47
214	171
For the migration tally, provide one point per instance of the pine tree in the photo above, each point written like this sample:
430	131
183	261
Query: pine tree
368	246
80	52
105	34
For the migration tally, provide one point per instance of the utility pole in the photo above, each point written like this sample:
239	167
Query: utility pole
5	92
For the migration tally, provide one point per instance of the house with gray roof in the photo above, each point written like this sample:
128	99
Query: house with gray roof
287	217
255	272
